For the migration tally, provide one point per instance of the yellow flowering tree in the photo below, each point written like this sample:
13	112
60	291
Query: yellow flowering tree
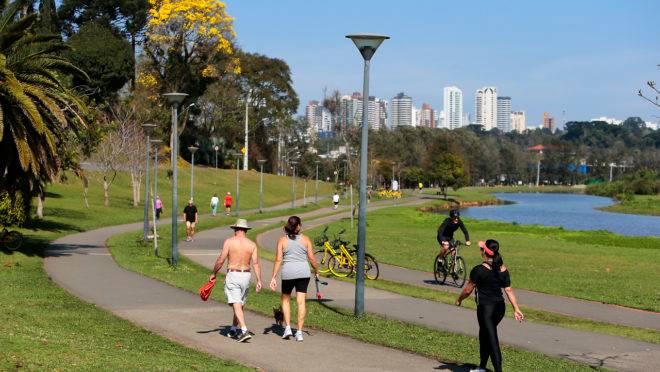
189	43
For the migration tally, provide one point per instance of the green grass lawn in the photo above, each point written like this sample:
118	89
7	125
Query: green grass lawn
641	204
474	194
46	328
370	328
593	265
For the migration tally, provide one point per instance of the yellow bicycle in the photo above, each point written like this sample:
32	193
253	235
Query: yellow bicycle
334	257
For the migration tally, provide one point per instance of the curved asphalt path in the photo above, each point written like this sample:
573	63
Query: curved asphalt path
82	265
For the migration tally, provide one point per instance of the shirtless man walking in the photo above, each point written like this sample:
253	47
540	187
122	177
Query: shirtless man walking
238	251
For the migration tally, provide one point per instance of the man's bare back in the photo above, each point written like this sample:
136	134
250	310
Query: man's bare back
240	250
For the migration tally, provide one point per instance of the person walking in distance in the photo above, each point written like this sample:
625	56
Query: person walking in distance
335	200
488	278
228	202
158	204
294	255
239	252
214	204
191	218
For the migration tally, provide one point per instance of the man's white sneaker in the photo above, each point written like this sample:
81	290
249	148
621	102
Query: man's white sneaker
287	333
478	370
299	336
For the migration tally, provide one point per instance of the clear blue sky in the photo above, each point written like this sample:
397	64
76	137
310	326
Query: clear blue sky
585	57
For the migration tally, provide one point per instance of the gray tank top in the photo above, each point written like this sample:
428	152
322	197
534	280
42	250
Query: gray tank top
294	260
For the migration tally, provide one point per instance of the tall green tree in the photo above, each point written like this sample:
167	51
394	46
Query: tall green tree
38	112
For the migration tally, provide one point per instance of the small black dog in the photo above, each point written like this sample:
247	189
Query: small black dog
278	315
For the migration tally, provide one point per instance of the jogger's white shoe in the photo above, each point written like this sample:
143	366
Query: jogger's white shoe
287	333
299	336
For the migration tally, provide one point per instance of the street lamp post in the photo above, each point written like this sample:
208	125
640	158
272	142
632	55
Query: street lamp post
148	128
238	173
261	184
216	148
245	154
367	45
293	184
316	192
192	150
175	99
538	169
156	144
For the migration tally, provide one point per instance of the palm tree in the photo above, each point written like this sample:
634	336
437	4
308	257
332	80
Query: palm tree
38	113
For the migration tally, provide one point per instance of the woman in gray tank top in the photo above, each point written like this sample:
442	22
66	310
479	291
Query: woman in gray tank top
294	255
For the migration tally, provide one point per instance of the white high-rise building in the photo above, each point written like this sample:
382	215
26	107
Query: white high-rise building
486	107
518	121
319	118
453	108
504	114
350	111
402	110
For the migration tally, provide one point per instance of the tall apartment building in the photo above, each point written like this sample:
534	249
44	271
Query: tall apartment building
427	116
486	107
518	121
504	114
453	108
319	118
549	122
350	111
401	110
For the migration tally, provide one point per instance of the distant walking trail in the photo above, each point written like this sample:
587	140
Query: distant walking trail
82	265
595	349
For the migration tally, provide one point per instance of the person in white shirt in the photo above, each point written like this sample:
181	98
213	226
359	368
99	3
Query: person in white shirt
214	204
335	200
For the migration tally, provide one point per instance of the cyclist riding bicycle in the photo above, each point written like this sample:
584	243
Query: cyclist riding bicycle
448	228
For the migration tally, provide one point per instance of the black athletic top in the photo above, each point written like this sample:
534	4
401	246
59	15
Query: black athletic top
489	285
447	229
190	211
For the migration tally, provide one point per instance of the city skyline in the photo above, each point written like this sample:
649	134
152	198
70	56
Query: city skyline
577	63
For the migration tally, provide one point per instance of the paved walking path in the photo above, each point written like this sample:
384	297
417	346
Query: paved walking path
82	265
557	304
595	349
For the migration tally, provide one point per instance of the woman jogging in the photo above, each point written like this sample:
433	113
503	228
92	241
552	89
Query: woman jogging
294	254
489	277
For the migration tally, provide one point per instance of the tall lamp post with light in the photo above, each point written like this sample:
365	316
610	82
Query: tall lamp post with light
293	183
261	184
156	143
193	150
216	148
316	191
175	99
148	129
238	175
367	45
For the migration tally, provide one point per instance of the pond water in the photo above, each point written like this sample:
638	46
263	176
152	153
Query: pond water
570	211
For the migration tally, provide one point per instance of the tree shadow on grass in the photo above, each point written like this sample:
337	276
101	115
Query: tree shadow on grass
32	246
51	226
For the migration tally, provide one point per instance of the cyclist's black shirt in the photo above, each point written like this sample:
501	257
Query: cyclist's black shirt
489	285
447	229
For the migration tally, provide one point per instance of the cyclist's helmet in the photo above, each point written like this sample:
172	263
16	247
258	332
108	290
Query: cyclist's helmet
454	213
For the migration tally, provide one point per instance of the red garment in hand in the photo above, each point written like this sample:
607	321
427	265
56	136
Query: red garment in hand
205	290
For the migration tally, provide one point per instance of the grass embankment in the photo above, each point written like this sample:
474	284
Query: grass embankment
640	204
46	328
534	315
485	194
370	328
592	265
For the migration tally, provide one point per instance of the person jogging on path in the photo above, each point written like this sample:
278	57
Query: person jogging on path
214	204
294	255
191	218
159	207
228	201
239	252
447	229
335	200
488	278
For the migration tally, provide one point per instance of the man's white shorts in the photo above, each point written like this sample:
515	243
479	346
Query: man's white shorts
236	287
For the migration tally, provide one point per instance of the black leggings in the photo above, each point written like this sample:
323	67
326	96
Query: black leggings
489	316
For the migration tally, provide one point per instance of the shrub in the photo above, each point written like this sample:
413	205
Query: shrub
14	208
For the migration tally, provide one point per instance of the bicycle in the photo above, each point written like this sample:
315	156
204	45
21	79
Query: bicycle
340	261
11	240
451	264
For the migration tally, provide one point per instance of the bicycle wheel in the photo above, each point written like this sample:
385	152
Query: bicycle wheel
370	267
460	272
439	270
14	240
322	259
339	266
